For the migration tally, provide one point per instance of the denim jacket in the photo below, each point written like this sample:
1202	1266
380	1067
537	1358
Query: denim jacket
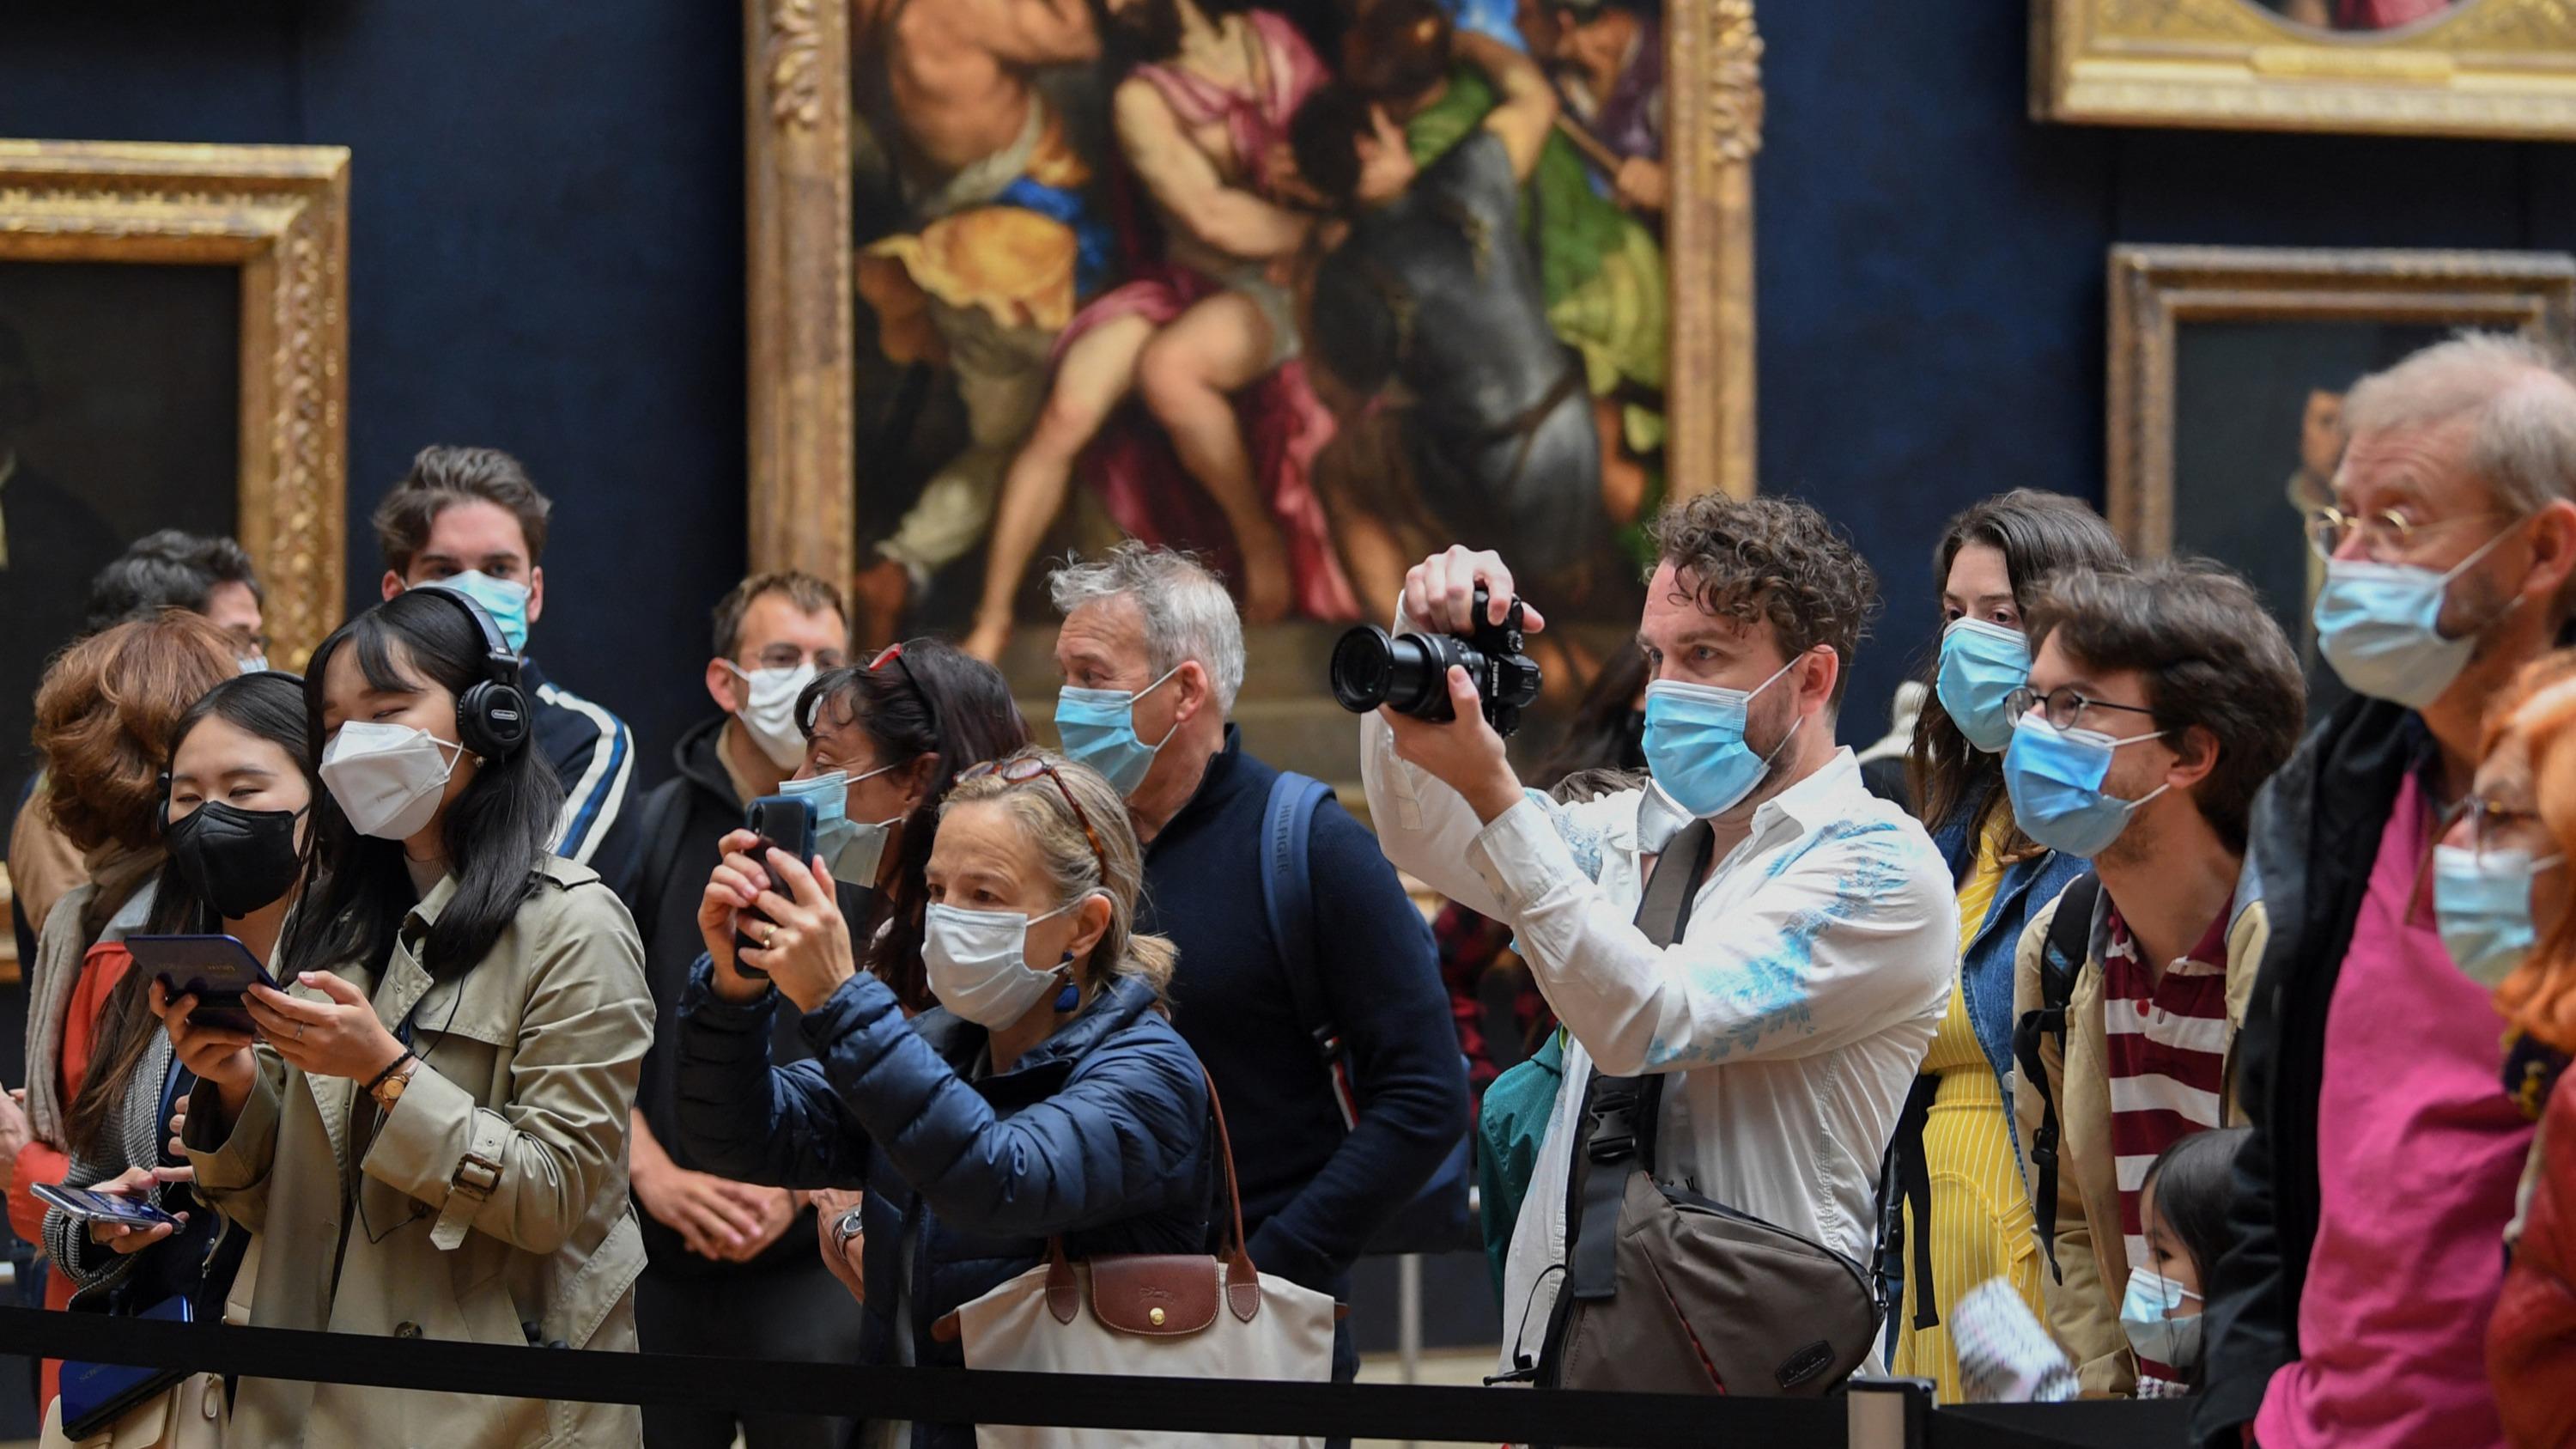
1986	970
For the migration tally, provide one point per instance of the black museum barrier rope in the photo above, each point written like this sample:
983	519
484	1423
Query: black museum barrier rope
1080	1401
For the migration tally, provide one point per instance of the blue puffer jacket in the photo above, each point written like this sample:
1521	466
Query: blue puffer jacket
1099	1134
1986	972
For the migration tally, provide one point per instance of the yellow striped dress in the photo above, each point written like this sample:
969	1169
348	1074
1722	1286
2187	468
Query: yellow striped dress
1981	1217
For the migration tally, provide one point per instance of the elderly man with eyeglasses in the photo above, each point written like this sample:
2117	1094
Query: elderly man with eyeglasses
2371	1198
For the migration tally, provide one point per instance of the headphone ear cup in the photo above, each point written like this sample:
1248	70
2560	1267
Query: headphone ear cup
492	720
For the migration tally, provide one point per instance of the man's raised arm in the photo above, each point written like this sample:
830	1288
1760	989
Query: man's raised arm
1527	112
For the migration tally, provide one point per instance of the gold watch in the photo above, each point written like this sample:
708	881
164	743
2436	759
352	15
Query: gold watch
388	1086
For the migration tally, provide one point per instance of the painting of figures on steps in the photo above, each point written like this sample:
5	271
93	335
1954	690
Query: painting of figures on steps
1308	286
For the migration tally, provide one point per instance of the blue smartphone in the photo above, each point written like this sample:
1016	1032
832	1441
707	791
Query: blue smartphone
218	970
88	1206
783	822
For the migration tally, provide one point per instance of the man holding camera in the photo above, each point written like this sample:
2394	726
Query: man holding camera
1811	952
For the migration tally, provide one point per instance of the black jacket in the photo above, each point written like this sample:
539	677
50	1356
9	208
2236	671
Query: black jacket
1312	1192
2314	835
661	875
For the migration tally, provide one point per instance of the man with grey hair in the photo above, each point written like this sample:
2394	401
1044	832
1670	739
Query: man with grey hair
2352	1304
1152	656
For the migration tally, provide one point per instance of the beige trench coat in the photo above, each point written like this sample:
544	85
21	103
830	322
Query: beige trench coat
529	1062
2092	1250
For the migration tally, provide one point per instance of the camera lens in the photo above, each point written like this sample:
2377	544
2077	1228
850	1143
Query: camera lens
1363	668
1409	672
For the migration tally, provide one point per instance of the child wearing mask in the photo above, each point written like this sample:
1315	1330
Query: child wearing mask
2183	1206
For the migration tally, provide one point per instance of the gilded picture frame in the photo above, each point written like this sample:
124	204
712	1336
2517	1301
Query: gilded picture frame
2226	376
279	214
2487	68
804	471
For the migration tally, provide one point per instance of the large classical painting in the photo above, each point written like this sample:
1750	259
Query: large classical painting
172	344
1309	286
2228	370
2426	67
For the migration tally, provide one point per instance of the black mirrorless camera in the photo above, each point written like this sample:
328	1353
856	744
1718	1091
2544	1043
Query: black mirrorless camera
1410	672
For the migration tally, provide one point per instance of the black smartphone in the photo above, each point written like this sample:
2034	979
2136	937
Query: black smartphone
218	970
783	822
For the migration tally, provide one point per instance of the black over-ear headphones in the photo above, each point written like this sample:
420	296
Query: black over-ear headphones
492	714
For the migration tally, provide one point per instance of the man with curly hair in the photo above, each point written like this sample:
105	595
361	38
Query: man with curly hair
1784	1024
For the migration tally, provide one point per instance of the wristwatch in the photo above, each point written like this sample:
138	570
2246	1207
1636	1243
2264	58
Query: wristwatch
388	1086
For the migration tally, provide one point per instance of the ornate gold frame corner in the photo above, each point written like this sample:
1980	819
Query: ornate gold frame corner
802	449
2154	289
281	215
2492	68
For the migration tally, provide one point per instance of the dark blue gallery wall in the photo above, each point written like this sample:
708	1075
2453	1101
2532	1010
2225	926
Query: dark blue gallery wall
545	255
1931	266
548	256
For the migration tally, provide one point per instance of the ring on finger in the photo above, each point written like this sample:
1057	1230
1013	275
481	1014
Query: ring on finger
299	1030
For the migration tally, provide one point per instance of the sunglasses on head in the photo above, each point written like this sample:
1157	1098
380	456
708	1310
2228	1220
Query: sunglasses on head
1024	768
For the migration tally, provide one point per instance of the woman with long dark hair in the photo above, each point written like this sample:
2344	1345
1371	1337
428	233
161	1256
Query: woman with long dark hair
240	787
888	738
1957	1132
460	1173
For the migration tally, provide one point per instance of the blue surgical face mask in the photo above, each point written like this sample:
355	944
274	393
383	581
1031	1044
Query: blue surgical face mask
1098	727
504	599
1695	743
2054	778
2379	625
1980	664
854	849
2173	1342
2482	903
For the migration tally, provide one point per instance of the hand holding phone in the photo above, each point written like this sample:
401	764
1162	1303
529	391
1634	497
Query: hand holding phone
783	822
91	1206
217	970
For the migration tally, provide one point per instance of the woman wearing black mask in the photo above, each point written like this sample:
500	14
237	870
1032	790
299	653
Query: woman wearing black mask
238	793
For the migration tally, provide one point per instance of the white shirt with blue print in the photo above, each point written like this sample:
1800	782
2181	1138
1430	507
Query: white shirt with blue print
1797	1006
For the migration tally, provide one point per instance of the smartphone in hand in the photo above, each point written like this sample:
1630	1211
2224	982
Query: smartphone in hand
218	970
85	1206
783	822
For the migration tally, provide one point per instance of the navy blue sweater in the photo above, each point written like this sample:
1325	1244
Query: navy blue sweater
1312	1193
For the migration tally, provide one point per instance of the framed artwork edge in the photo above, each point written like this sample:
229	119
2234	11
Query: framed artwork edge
280	214
2155	288
800	317
2491	69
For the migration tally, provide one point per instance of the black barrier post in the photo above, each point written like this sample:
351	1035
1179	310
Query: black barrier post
1077	1401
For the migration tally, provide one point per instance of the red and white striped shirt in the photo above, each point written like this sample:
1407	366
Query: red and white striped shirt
2165	1042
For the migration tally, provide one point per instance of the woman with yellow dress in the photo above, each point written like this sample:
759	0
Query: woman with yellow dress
1956	1146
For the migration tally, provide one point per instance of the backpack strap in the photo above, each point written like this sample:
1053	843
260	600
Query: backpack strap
2061	960
1905	1182
1288	898
1621	1114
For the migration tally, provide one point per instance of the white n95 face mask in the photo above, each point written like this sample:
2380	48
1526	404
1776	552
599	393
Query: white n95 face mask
387	778
769	710
976	963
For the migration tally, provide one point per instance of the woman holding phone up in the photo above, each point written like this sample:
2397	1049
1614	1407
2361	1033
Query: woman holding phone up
239	786
436	1110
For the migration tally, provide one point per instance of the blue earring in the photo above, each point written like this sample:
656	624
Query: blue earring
1071	996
